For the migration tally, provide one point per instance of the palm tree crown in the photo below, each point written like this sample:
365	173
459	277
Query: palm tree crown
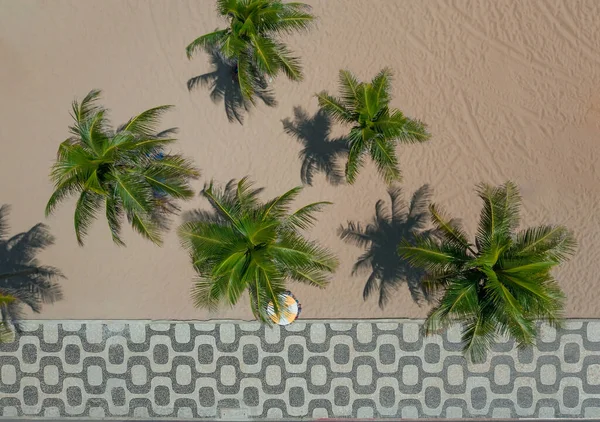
23	280
254	246
127	170
376	127
251	41
499	285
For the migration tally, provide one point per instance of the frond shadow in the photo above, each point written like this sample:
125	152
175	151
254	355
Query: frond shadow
380	239
21	274
320	153
224	87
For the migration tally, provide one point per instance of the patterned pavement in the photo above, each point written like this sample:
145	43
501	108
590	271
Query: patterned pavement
229	370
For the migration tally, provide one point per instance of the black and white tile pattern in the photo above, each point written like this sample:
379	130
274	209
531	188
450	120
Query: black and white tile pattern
316	369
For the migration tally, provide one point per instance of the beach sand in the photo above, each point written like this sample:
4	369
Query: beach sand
510	90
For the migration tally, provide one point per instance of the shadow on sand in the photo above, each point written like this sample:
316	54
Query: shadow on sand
320	153
224	87
21	275
381	238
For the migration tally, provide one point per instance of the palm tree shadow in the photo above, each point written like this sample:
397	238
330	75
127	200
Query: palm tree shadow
320	153
21	274
224	87
380	239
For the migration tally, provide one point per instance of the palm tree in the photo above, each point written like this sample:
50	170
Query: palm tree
499	285
127	171
380	239
376	128
248	245
6	334
251	42
23	281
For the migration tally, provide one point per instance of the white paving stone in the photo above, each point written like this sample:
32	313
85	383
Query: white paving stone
318	375
183	375
364	332
364	375
182	333
317	333
454	334
51	376
593	331
228	375
94	332
548	374
139	375
272	335
8	374
410	412
593	374
94	375
410	332
547	333
455	374
227	333
502	374
410	375
51	332
273	375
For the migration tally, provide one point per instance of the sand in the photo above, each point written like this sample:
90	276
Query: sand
510	90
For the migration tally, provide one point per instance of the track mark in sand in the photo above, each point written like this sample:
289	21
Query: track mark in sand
160	43
476	130
566	31
526	60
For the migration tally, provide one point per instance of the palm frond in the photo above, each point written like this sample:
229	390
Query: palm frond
207	42
304	218
553	242
381	85
450	229
85	213
384	155
334	108
349	87
146	123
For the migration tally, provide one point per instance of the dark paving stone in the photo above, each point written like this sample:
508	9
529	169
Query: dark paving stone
205	354
341	395
571	396
30	395
525	355
341	354
250	354
295	354
72	354
206	396
162	396
116	354
74	396
117	395
387	354
478	397
160	354
296	396
30	353
251	397
571	353
387	396
524	396
432	353
433	397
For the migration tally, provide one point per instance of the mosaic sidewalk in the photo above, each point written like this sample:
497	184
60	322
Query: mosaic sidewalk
227	370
